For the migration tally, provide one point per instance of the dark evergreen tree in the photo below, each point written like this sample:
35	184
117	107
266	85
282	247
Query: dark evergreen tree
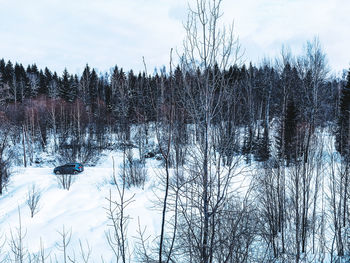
20	82
8	73
34	69
2	66
84	87
65	90
343	130
248	144
48	75
74	85
93	94
262	147
132	95
108	97
287	142
43	83
102	86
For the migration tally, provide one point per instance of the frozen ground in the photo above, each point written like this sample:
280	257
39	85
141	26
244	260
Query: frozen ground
81	210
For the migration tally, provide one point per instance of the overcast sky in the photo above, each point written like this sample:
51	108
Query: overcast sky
103	33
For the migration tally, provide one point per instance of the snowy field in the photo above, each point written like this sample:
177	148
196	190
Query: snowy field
81	211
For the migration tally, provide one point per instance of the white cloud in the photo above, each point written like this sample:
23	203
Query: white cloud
62	33
265	25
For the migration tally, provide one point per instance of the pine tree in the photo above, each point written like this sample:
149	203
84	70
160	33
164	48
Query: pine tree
248	144
93	94
84	87
342	133
262	151
74	86
2	67
290	133
8	73
65	91
43	84
287	138
21	80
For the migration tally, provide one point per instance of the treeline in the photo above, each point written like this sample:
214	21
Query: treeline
255	98
262	85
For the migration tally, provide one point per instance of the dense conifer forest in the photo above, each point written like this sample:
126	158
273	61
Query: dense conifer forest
287	98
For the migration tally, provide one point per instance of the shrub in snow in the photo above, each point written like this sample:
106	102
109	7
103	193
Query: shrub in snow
65	180
82	148
33	198
4	175
134	171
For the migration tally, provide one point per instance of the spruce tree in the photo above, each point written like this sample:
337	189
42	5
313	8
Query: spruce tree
74	86
84	87
93	94
262	151
43	84
65	87
287	138
2	67
248	144
342	133
8	73
290	133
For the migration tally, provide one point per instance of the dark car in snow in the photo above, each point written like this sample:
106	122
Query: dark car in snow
69	168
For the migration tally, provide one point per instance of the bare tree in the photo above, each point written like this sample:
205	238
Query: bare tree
3	253
42	257
5	153
85	253
33	198
65	180
339	214
269	190
64	243
117	236
135	172
18	251
313	71
142	245
208	49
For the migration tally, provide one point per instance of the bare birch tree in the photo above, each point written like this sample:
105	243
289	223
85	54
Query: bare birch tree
208	50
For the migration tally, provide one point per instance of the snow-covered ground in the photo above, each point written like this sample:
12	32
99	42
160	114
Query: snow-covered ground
81	211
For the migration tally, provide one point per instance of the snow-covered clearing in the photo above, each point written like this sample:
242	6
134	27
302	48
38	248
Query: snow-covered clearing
81	210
